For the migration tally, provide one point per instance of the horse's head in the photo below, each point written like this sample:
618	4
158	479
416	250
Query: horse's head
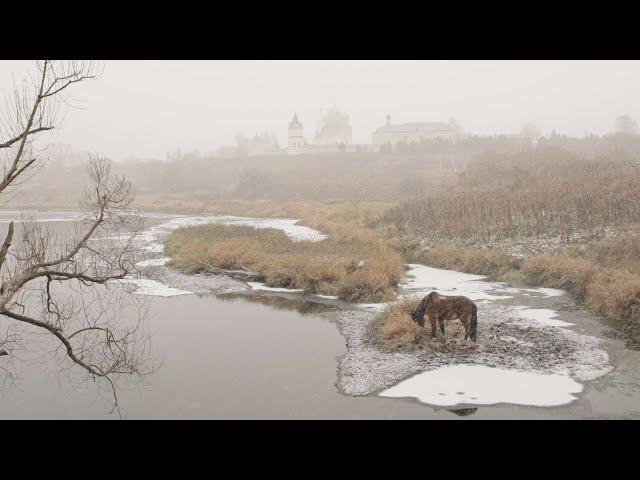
418	314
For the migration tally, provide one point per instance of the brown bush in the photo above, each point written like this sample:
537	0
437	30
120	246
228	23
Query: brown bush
622	251
616	294
555	271
394	328
365	285
492	263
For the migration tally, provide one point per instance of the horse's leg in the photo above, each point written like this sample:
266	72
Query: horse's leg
442	327
466	321
433	319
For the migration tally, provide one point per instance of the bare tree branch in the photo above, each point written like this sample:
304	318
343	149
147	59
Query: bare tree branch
47	281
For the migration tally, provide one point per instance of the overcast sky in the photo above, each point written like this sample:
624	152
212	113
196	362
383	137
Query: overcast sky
145	108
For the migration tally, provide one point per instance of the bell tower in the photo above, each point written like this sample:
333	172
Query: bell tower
296	138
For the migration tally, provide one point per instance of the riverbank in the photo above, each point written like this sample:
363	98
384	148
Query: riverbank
603	274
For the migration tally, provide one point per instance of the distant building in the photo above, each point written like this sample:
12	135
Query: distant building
333	136
264	144
413	132
335	129
296	138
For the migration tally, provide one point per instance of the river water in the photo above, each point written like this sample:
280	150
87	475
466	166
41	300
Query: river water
229	350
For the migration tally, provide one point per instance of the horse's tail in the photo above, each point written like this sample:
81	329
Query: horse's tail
474	323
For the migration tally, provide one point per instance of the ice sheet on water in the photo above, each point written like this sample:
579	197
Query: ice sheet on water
146	286
544	316
448	282
477	384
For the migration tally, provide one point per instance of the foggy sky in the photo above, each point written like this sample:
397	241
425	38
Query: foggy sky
145	108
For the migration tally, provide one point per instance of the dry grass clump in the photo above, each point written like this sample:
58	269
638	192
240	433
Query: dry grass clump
622	251
616	294
232	248
394	329
356	267
365	285
557	271
492	263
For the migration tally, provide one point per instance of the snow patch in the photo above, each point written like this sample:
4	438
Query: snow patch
262	286
480	385
153	262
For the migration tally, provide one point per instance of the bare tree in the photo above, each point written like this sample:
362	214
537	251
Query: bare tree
58	284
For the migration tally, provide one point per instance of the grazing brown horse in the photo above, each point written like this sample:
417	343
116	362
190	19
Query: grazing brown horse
445	307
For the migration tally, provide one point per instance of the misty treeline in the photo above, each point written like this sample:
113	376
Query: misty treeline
468	147
278	178
394	175
537	192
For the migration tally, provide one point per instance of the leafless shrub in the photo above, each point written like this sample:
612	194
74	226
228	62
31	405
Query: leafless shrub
545	191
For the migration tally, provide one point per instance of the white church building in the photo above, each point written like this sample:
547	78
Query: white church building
333	136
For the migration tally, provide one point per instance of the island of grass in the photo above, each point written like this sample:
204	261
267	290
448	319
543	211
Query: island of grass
355	268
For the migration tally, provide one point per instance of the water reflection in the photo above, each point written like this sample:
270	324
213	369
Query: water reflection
304	307
463	412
